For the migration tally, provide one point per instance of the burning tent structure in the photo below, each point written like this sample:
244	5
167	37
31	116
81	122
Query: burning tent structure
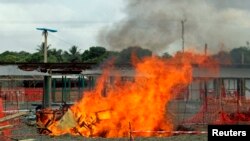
144	99
107	110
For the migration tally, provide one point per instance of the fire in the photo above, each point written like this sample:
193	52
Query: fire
141	102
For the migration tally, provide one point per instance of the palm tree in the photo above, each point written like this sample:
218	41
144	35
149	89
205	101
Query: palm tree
58	54
73	55
40	48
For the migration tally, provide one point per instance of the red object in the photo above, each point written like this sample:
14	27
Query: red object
223	91
5	133
33	94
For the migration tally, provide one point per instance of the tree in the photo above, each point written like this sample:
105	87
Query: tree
35	58
238	53
166	55
73	55
95	55
223	57
125	56
9	56
40	48
57	55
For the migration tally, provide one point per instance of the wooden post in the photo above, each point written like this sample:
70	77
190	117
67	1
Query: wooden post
130	133
205	94
243	88
219	83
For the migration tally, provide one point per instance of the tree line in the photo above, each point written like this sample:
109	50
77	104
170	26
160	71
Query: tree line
73	55
98	54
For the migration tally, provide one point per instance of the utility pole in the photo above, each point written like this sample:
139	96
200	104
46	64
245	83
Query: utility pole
45	47
46	103
182	33
205	49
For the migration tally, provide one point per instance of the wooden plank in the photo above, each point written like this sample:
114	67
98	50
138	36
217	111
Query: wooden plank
9	117
5	127
28	140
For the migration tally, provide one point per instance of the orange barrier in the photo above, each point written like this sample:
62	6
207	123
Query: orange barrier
5	133
33	94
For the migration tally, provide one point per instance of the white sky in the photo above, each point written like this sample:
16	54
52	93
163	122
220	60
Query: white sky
77	22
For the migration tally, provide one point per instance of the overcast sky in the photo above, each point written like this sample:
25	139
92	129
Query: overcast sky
78	21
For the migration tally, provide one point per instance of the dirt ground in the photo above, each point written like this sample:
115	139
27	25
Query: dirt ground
30	133
79	138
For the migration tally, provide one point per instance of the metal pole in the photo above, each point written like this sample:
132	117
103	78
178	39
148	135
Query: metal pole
82	86
54	90
222	90
182	34
205	94
206	49
47	92
79	87
69	89
243	96
64	93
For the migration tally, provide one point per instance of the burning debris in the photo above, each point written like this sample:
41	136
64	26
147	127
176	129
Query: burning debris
65	120
141	102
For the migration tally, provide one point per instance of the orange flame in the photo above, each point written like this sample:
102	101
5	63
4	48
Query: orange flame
141	102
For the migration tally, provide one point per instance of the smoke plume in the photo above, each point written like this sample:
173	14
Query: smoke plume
156	25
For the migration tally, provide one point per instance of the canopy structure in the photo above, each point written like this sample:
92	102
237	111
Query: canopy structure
12	72
230	71
222	72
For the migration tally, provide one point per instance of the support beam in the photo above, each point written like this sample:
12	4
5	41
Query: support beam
243	88
68	89
47	92
182	34
53	90
80	86
63	88
205	94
